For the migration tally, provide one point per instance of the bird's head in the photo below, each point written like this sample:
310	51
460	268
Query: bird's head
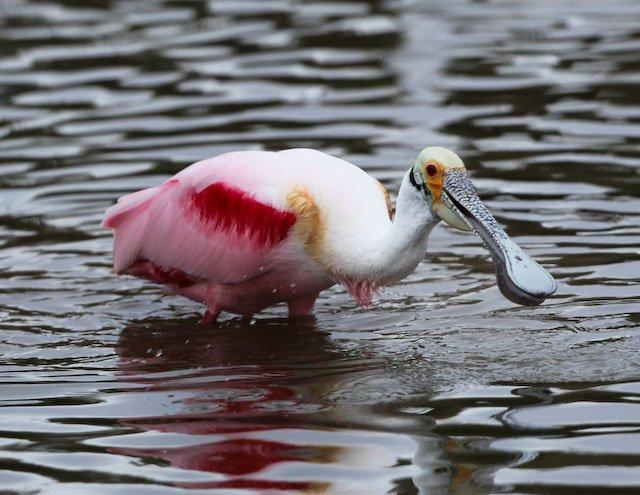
441	177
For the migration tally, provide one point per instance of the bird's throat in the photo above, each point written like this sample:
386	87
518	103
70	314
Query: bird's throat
397	252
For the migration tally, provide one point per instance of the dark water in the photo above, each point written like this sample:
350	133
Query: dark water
109	386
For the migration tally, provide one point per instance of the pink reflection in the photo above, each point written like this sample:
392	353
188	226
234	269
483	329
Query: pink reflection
222	408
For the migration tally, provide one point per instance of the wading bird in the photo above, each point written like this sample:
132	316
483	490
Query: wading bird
246	230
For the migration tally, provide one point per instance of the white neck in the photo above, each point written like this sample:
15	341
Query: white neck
396	252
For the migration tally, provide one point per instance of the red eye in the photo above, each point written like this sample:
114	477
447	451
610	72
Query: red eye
432	170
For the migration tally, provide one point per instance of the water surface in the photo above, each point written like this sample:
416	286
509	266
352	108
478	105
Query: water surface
110	386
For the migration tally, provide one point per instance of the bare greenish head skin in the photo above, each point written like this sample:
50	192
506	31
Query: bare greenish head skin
430	169
439	155
440	175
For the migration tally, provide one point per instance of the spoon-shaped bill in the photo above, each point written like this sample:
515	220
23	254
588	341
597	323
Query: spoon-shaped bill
520	279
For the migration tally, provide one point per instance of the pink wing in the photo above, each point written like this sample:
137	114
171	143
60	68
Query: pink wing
202	222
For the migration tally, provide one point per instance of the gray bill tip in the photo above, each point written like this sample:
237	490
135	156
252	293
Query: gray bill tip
520	278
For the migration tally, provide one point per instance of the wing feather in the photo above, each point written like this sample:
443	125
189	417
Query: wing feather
220	233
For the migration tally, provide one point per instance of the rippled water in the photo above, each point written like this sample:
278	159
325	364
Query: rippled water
109	386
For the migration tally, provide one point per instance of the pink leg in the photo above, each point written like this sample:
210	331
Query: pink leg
204	293
210	316
302	306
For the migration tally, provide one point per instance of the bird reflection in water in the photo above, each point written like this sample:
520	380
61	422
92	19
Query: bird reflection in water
231	387
228	391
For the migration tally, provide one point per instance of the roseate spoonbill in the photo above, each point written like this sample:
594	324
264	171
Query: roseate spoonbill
245	230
